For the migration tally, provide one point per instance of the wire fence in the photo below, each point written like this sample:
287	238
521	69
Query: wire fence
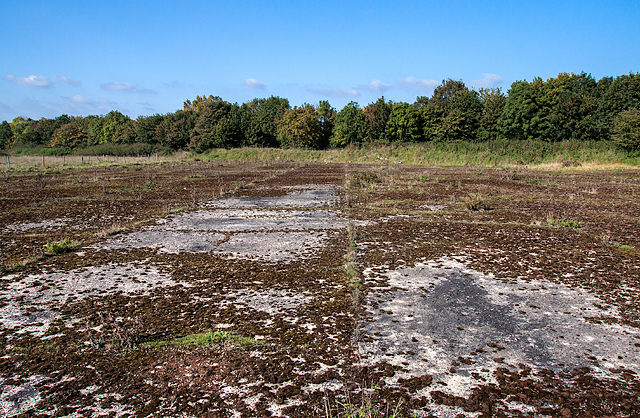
25	161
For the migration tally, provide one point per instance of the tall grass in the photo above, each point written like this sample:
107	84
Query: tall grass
491	153
101	149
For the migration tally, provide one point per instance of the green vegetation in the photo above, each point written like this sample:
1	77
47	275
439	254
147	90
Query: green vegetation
476	201
60	247
498	152
533	122
563	223
204	339
626	128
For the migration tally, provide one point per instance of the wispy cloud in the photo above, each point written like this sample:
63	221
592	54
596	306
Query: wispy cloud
149	107
252	83
76	98
81	105
69	81
417	84
335	92
125	87
376	86
487	81
30	81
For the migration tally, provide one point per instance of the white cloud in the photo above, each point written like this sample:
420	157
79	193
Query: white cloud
252	83
376	86
69	81
31	81
487	81
80	99
125	87
102	100
118	86
335	92
412	83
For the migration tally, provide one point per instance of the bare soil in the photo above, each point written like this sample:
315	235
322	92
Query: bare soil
359	286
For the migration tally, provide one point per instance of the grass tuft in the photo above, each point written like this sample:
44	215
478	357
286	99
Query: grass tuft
204	339
476	201
60	247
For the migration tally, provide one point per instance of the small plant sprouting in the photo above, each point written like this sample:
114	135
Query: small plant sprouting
60	247
563	223
204	339
476	201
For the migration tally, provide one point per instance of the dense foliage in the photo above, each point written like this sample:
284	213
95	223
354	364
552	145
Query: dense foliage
567	107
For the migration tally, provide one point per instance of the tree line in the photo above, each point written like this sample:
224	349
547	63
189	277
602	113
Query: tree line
567	107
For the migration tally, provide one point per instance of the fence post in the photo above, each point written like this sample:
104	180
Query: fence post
43	161
63	160
82	159
8	163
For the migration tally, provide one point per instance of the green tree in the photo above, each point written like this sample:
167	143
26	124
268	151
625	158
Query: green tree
6	134
626	129
116	128
350	126
68	136
260	120
200	103
94	130
431	117
493	102
326	116
301	128
615	95
404	124
452	128
176	128
462	115
572	101
217	126
145	127
377	115
18	126
524	116
446	91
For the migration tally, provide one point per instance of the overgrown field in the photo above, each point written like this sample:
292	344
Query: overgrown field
207	288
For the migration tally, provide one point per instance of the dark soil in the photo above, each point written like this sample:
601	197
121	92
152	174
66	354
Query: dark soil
576	227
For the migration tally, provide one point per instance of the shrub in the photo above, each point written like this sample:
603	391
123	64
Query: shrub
626	130
60	247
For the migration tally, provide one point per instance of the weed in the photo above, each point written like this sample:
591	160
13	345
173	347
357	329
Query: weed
26	261
110	231
117	334
476	201
204	339
606	238
563	223
194	176
60	247
366	408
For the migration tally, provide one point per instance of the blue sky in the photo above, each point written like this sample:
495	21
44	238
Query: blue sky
147	57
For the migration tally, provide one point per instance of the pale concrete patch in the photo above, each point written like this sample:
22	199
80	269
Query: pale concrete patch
312	196
30	303
260	228
18	399
48	225
441	315
165	241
